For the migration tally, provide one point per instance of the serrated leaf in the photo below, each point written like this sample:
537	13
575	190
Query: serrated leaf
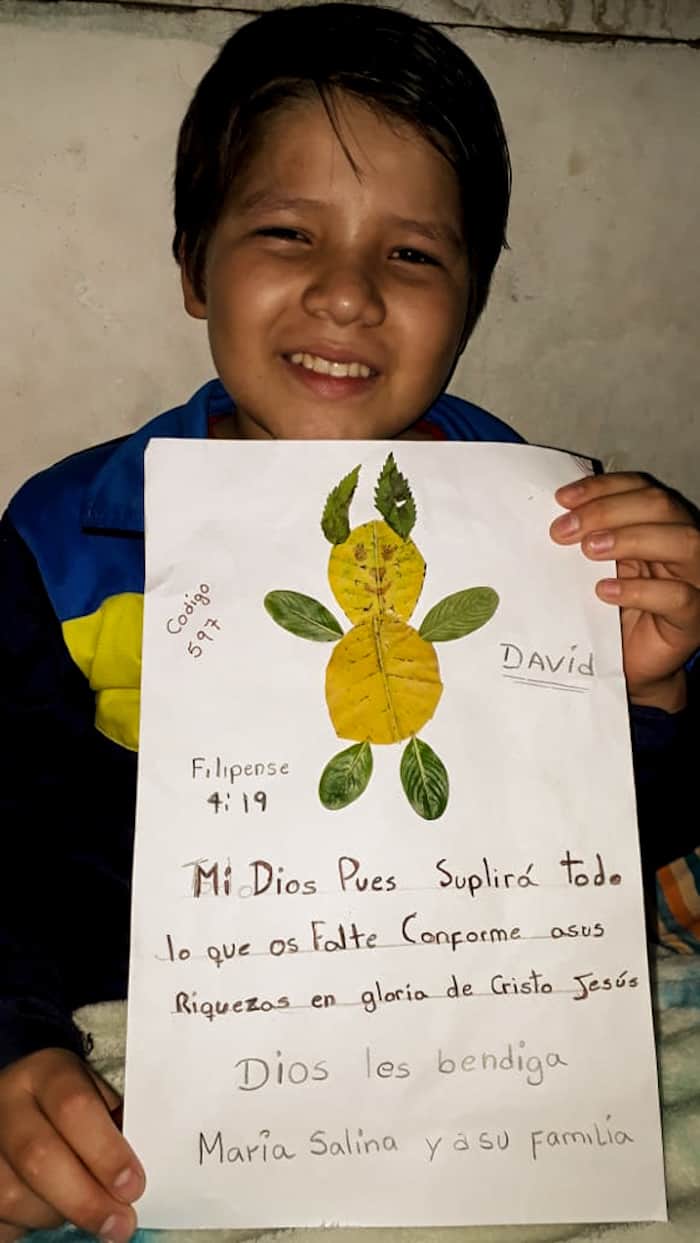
346	776
335	522
459	614
424	779
394	500
303	616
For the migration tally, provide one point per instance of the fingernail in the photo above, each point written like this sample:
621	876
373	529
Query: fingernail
126	1177
568	524
107	1229
610	588
571	492
115	1229
600	541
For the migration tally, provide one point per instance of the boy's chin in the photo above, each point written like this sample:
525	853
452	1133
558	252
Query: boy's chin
334	426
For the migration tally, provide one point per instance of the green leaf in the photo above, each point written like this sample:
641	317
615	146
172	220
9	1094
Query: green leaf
393	499
335	522
303	615
424	779
346	776
459	614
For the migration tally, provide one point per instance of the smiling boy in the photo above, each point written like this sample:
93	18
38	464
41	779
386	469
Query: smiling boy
341	197
336	300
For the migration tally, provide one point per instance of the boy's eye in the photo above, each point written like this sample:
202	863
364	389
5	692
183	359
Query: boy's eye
285	234
409	254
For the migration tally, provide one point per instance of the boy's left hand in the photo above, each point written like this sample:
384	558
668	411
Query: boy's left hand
655	540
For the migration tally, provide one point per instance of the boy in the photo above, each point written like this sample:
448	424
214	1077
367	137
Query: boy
341	197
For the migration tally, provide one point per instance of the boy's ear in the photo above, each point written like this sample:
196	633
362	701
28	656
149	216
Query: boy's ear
194	305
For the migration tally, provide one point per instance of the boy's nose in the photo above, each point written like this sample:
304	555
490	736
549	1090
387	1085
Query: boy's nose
344	293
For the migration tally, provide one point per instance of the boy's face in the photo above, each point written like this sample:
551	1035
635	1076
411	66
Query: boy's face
335	298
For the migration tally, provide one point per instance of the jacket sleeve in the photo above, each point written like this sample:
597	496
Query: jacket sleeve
665	751
46	707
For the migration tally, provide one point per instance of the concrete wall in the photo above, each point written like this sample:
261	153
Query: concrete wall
591	337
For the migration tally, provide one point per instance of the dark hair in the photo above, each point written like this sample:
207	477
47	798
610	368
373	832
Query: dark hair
399	65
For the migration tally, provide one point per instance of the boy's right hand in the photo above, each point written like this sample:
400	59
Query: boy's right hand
61	1156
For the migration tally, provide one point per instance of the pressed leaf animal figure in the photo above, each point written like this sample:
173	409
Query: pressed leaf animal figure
383	678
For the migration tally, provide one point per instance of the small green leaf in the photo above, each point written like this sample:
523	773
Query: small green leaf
424	779
393	499
346	776
459	614
303	615
335	522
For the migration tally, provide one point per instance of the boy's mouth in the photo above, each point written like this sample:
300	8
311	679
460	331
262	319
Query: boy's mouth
339	370
331	375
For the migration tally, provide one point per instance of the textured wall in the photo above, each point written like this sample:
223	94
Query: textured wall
590	340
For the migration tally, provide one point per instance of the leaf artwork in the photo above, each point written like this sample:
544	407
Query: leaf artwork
393	499
335	522
383	680
424	779
459	614
303	616
346	776
376	572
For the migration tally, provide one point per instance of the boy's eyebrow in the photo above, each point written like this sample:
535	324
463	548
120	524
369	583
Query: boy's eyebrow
434	231
274	202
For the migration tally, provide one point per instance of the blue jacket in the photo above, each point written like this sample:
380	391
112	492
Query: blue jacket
71	587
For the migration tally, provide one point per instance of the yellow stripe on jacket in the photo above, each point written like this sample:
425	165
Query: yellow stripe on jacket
106	647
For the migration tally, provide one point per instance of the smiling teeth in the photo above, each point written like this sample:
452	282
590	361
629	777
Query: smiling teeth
323	366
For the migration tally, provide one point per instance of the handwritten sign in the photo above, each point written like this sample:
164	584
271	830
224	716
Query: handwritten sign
388	945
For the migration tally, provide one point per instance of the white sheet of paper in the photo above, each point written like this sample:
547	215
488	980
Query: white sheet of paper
359	1016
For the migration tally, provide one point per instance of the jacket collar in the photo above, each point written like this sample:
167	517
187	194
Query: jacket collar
114	501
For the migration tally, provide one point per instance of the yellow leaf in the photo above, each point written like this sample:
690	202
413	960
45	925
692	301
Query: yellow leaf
375	571
382	682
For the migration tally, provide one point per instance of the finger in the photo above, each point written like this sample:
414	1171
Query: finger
76	1106
591	487
674	602
19	1206
41	1159
642	506
111	1098
674	544
9	1233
